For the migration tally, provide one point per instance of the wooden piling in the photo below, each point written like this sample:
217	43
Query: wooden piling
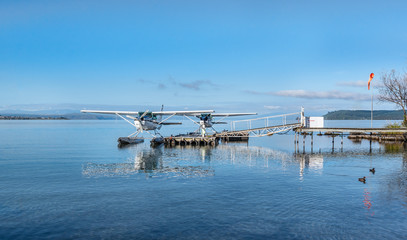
193	141
303	143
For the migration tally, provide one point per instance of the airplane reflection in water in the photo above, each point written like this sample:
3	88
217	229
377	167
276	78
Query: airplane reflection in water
152	161
145	161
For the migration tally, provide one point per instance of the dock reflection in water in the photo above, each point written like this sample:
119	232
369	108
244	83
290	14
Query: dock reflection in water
233	154
314	162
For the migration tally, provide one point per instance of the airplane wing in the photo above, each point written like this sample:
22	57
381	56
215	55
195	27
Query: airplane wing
155	113
110	112
189	113
231	114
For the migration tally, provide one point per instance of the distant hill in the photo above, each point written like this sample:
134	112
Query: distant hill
364	115
68	116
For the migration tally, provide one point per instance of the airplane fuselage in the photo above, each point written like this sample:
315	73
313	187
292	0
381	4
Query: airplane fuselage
146	125
206	123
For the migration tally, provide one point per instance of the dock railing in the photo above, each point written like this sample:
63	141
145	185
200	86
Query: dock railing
266	122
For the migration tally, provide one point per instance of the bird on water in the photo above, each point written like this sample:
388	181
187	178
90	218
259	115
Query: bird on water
363	179
372	170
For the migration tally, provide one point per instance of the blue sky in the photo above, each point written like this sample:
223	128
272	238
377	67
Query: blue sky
264	56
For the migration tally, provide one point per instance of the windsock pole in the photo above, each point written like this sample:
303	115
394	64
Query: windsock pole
368	88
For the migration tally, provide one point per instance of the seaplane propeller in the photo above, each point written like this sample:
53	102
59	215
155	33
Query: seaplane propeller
144	114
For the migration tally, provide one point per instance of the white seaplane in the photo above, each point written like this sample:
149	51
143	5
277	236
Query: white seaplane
151	122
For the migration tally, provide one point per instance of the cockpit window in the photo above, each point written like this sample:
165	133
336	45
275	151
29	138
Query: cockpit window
148	115
205	116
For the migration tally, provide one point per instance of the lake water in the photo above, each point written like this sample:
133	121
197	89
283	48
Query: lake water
69	180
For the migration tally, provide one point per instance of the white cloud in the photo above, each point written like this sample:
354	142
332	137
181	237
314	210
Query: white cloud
322	95
353	84
318	94
272	107
362	84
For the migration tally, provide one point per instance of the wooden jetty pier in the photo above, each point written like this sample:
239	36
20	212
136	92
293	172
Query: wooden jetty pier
371	134
375	131
242	130
251	128
191	141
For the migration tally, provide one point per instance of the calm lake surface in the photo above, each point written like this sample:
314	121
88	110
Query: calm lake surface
69	180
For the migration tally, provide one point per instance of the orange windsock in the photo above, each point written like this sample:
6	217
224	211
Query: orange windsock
370	79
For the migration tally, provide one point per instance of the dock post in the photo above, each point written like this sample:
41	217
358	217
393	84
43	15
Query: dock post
370	148
295	142
342	143
298	144
303	144
333	143
295	138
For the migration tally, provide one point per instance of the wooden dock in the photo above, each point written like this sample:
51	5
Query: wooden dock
240	130
233	137
191	141
355	134
348	131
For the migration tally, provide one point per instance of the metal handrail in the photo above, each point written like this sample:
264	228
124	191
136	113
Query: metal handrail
282	115
249	121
